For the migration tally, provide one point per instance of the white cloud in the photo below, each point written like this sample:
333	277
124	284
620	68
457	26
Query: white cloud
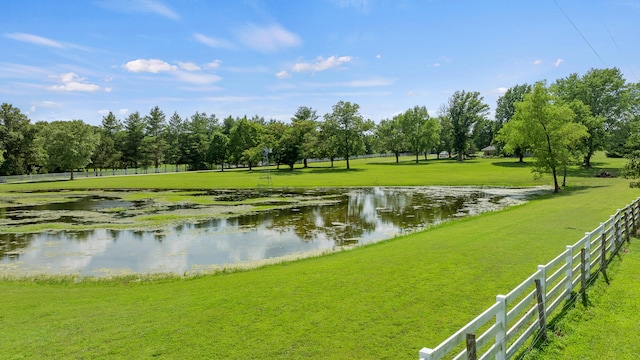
321	64
268	39
140	6
500	90
558	62
214	64
283	74
378	56
123	111
103	112
73	82
36	40
537	62
436	65
148	65
212	42
373	82
158	8
189	66
197	78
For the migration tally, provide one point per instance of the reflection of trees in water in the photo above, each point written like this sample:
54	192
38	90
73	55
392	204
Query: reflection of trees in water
11	244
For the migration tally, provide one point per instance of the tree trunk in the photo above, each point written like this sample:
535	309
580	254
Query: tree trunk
305	163
397	156
347	162
556	188
71	174
564	178
417	157
459	156
331	162
587	161
521	156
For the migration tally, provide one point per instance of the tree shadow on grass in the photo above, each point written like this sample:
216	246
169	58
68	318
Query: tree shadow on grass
314	170
573	171
511	164
402	162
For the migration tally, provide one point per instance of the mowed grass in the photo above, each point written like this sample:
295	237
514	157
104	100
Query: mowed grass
386	300
363	172
607	327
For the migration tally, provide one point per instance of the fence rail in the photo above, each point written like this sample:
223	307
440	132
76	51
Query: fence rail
501	331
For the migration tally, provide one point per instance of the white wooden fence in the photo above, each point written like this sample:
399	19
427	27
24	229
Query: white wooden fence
507	325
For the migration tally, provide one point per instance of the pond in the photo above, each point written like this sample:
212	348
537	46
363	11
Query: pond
346	218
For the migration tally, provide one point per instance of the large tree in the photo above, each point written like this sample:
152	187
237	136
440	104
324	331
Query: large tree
106	153
420	131
305	125
505	108
174	131
17	141
390	136
70	144
349	128
464	109
606	94
218	149
547	127
133	140
244	136
155	124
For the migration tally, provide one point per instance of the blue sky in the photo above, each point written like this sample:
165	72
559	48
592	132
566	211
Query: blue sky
79	59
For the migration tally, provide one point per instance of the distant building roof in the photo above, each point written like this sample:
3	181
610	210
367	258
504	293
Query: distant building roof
489	148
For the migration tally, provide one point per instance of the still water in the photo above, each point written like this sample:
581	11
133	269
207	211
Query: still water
360	216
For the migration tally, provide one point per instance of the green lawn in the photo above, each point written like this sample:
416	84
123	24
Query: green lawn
363	172
386	300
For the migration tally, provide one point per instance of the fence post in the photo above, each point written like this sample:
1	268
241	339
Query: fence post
426	354
542	319
569	273
603	252
583	275
501	322
626	224
543	281
471	347
587	260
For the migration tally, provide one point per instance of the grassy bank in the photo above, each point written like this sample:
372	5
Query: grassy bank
386	300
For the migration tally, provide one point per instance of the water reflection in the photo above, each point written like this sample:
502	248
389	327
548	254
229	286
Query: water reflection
361	216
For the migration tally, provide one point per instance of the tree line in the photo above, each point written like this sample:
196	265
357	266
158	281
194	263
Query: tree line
560	124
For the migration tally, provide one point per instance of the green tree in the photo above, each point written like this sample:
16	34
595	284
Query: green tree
349	128
418	129
328	141
173	132
505	108
106	153
70	144
133	140
305	125
547	127
390	136
17	141
464	109
606	94
155	124
445	142
272	138
482	134
218	148
245	135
